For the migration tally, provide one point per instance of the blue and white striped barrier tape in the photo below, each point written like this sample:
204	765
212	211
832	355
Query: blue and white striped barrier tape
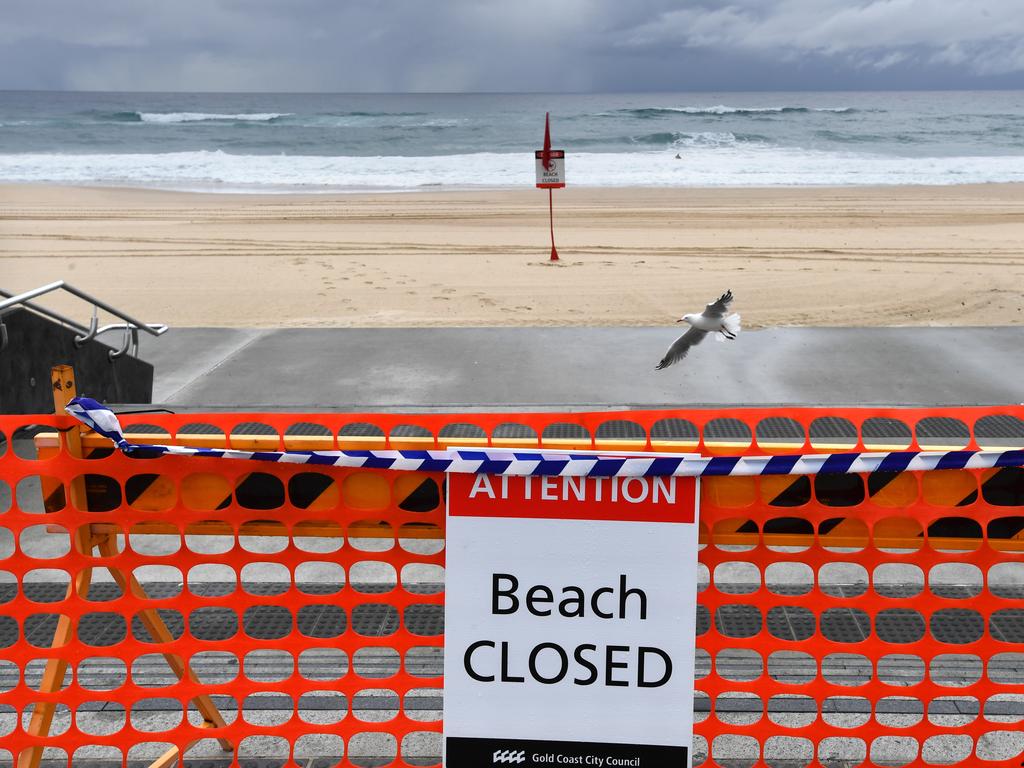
498	461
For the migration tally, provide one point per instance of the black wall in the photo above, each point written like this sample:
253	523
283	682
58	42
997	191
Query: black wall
36	344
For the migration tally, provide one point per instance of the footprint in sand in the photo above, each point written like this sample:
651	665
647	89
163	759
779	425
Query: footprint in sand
487	302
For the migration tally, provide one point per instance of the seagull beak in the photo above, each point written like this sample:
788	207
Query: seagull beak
679	320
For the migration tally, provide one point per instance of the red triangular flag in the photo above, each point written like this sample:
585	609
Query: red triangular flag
545	157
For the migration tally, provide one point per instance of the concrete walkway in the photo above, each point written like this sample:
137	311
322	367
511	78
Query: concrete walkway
591	367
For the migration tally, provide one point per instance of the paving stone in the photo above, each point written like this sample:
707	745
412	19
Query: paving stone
738	621
791	622
267	622
323	620
845	625
899	625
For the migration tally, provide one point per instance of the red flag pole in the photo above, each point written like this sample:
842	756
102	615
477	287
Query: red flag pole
551	217
546	161
545	156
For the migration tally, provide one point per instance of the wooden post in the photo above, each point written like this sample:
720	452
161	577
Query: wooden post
62	380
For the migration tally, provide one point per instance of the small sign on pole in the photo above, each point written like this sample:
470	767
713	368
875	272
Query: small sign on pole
570	606
550	165
553	176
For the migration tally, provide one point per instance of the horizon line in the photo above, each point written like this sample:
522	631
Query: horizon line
516	93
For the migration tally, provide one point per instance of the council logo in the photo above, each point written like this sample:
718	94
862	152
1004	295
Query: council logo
509	756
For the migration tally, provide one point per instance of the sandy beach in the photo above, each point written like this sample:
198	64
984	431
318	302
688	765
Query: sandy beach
811	256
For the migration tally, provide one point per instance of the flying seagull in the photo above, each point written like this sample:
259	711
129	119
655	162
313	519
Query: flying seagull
711	320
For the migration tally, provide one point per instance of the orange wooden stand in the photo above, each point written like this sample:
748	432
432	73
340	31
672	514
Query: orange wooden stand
62	381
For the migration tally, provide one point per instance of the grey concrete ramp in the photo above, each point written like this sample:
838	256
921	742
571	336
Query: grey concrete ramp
384	368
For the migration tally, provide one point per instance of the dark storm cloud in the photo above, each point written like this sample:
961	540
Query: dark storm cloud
503	45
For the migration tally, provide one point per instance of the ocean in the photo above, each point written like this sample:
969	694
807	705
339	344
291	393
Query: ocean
359	142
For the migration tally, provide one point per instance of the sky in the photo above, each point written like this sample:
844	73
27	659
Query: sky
510	45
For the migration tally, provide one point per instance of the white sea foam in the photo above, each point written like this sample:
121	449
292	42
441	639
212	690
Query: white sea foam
721	109
705	139
197	117
737	165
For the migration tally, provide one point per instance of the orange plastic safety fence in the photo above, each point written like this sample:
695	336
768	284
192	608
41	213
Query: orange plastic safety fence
842	619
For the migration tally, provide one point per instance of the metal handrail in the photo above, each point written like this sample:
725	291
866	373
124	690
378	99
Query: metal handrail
130	326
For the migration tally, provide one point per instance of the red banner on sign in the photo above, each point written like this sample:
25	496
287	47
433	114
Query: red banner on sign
640	499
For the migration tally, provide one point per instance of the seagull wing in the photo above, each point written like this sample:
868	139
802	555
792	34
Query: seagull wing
720	307
681	346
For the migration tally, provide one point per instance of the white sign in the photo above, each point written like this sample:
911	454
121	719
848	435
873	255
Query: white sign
570	605
552	177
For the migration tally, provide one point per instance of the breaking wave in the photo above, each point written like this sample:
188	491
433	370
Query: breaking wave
199	117
671	140
721	109
734	163
680	139
326	118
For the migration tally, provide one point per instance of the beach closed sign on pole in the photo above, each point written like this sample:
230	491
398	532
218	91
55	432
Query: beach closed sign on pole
552	175
570	605
550	162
